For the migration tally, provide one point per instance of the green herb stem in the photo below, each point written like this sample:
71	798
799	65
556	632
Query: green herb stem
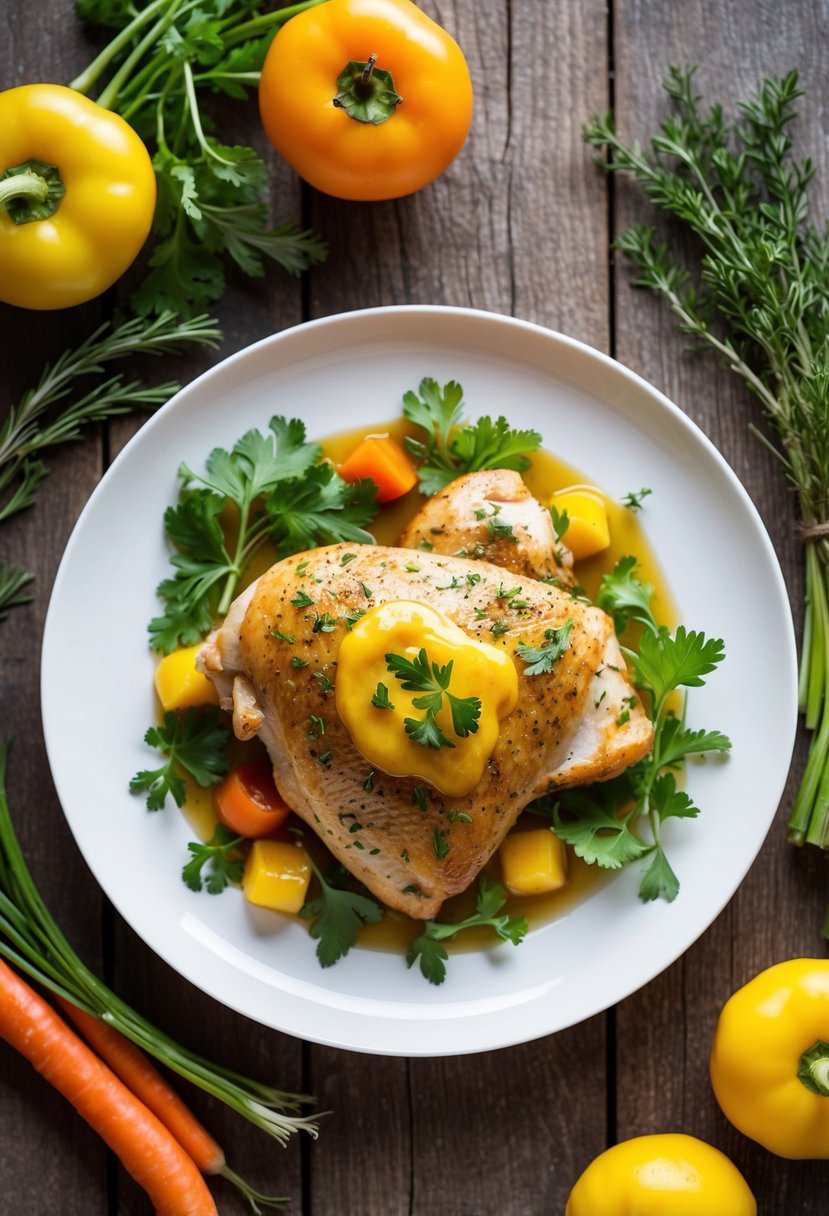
35	943
245	30
109	95
87	78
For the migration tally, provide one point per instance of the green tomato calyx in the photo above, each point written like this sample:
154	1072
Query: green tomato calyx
366	92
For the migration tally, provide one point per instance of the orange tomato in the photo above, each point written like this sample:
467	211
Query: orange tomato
247	801
366	99
383	460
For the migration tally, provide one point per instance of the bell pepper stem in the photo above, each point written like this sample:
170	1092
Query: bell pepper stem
814	1069
28	186
31	191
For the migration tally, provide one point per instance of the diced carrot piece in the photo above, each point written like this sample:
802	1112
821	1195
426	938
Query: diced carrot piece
383	460
247	801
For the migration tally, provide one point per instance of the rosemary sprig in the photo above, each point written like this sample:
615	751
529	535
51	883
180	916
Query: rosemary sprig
760	300
34	426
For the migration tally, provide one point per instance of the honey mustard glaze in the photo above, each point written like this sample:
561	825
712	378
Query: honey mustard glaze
483	679
406	628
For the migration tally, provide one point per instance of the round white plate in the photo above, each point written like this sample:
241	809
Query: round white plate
351	370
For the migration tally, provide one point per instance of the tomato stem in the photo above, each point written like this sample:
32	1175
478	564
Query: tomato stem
31	191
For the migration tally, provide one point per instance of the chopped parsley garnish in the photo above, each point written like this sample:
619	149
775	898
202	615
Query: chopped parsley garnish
561	521
541	659
380	699
432	680
337	915
633	501
296	661
194	742
429	950
302	600
324	622
290	638
451	448
441	845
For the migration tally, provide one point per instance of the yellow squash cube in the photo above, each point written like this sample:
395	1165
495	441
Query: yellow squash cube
588	531
276	876
179	685
534	862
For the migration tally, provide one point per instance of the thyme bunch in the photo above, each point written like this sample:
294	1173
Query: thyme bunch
760	300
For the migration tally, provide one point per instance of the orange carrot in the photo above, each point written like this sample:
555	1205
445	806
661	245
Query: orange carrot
382	459
147	1151
247	801
144	1080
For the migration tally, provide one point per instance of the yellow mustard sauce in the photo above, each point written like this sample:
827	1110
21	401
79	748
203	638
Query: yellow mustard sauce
548	474
404	627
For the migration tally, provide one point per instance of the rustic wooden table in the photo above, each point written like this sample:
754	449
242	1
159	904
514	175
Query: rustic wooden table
521	224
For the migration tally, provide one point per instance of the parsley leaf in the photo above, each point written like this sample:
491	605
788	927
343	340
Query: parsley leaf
336	915
429	678
600	823
221	858
380	699
540	660
451	449
194	742
278	489
432	954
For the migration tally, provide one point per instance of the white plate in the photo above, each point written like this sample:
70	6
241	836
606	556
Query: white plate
350	370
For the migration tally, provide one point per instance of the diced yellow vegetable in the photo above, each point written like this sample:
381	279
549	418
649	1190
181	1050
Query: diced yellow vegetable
179	685
276	876
534	862
588	531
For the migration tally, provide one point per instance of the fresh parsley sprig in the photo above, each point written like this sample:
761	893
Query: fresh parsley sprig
215	865
337	914
451	449
429	678
212	196
195	742
278	490
428	948
601	825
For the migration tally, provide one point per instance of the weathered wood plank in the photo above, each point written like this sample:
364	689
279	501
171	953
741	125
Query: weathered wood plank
515	226
664	1032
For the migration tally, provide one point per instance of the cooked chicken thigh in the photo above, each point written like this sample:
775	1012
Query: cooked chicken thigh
492	515
275	666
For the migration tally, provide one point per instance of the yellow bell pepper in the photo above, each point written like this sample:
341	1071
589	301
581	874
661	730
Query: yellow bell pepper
663	1175
770	1058
77	197
534	862
587	530
276	875
178	683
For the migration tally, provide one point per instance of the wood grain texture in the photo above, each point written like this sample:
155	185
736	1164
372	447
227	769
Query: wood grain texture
664	1032
520	224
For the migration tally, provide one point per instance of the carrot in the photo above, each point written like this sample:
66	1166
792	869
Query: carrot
137	1072
247	801
130	1064
148	1152
384	461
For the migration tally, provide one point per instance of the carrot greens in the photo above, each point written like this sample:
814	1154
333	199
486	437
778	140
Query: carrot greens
760	300
31	940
